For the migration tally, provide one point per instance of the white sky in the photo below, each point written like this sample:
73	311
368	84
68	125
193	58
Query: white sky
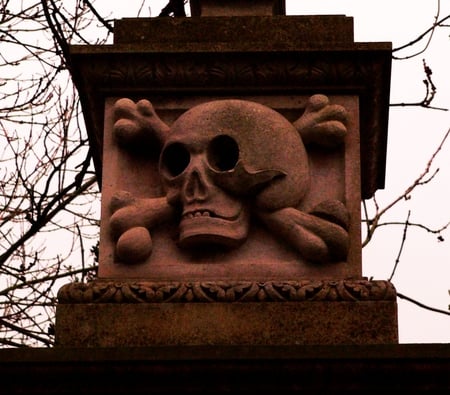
424	268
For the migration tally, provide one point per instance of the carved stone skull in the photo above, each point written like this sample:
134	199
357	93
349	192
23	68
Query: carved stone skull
223	159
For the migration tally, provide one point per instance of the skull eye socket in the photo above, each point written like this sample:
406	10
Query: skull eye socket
175	159
223	153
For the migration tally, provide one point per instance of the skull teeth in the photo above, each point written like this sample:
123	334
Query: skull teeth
196	214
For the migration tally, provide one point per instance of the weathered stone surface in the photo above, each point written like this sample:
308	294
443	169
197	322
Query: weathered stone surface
234	33
288	323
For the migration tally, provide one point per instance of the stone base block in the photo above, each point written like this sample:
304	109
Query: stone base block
256	323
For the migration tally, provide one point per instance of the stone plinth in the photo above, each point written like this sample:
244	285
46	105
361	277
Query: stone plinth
233	152
243	313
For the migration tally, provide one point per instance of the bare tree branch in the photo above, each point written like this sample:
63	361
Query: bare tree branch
424	306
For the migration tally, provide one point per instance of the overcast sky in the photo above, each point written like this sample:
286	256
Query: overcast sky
414	134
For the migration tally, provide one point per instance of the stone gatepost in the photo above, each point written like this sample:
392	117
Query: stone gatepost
233	149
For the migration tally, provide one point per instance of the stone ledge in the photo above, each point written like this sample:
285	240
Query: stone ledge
253	30
416	368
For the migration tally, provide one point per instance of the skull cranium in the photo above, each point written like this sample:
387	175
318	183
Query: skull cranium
223	157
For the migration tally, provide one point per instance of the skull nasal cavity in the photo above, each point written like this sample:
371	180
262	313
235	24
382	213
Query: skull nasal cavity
175	159
223	153
195	187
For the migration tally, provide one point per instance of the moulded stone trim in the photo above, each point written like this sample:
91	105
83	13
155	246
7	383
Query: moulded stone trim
103	291
174	70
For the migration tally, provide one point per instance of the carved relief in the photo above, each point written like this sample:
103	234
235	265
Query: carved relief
238	291
197	70
223	163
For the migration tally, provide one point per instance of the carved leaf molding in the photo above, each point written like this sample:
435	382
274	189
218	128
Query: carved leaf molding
163	72
101	291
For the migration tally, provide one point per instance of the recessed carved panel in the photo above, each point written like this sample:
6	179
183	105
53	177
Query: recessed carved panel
231	189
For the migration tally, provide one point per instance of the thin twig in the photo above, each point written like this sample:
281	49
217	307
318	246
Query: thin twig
98	16
402	244
424	306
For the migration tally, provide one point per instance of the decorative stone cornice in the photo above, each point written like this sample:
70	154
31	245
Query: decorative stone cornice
110	291
350	70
